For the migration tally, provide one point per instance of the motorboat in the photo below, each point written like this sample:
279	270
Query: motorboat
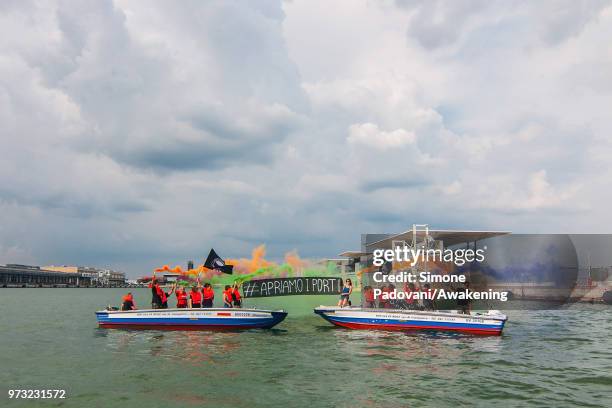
418	243
487	323
190	319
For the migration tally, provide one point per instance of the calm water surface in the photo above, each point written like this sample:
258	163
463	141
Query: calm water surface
49	339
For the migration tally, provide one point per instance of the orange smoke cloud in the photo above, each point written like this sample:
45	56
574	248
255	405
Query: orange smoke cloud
257	264
293	259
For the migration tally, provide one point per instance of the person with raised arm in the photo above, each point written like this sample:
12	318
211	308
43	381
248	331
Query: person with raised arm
228	296
165	295
156	301
236	295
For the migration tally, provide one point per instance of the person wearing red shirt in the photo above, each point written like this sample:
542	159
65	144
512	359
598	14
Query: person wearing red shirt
385	303
181	298
208	295
411	291
368	294
163	295
228	296
195	298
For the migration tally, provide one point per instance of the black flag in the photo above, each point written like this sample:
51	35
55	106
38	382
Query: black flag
214	261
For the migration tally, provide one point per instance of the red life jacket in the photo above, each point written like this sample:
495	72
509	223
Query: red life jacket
128	298
209	293
227	295
383	300
161	294
181	298
409	300
196	297
236	294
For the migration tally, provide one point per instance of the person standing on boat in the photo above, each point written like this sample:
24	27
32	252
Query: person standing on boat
392	303
384	302
428	303
345	293
165	295
208	295
236	295
128	302
228	296
411	291
156	302
195	298
368	294
463	302
181	298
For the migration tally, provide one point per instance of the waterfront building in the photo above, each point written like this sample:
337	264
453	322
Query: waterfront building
16	275
98	277
111	278
343	266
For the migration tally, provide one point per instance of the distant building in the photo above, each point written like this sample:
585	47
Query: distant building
62	268
111	278
342	266
171	277
98	277
15	275
91	273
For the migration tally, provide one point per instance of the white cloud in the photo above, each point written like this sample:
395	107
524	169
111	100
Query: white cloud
145	132
370	135
531	193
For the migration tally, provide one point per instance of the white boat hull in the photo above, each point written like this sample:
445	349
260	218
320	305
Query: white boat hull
488	323
190	319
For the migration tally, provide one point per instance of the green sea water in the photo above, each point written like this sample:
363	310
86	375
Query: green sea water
49	340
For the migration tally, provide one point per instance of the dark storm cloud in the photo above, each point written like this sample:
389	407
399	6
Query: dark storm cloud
234	108
217	140
73	206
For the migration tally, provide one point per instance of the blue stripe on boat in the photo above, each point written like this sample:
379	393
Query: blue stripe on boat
413	322
195	322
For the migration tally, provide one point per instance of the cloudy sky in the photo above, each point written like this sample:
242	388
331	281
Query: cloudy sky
134	134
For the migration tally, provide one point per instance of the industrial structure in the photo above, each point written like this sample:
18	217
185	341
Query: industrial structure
99	277
17	275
